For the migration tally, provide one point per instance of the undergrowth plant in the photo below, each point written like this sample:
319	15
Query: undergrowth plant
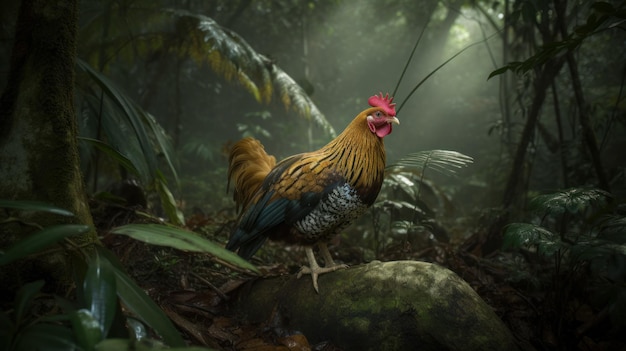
409	203
576	247
93	318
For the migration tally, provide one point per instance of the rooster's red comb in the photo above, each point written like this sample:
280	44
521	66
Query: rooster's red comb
384	102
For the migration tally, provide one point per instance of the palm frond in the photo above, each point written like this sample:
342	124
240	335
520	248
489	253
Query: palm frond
293	96
575	200
442	161
230	56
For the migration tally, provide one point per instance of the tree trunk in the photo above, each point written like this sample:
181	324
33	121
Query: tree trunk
38	148
589	135
512	191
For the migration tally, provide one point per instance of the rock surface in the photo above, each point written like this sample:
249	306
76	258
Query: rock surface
401	305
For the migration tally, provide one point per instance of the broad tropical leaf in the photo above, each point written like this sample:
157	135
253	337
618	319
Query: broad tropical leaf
167	200
34	206
41	240
574	200
114	154
86	329
100	292
140	304
126	125
229	55
135	139
517	235
162	235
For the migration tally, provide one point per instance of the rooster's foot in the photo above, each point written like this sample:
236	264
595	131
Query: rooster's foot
315	270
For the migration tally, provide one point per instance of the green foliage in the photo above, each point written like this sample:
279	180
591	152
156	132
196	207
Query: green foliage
442	161
231	56
409	200
86	323
574	201
200	149
407	176
94	321
601	13
35	206
597	243
135	140
253	129
161	235
529	235
41	240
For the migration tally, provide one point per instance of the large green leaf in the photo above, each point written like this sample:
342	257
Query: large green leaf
167	201
100	293
132	116
162	235
114	154
34	206
140	304
87	329
162	143
517	235
24	298
40	240
574	200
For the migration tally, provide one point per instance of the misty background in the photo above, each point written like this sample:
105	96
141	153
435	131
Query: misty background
340	53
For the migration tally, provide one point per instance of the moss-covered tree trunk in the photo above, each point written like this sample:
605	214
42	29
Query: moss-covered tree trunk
38	147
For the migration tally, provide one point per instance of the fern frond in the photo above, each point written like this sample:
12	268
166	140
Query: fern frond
575	200
442	161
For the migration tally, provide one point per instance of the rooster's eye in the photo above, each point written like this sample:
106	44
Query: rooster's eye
378	114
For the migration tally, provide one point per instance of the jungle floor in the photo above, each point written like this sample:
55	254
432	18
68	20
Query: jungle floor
194	289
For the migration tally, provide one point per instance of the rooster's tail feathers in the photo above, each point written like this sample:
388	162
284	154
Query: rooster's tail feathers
248	165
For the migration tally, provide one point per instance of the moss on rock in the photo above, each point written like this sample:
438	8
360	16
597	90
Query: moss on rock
401	305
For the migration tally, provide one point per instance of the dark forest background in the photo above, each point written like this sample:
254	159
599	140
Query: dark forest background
508	164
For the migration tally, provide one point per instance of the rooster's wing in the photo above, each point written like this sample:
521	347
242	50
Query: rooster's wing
301	201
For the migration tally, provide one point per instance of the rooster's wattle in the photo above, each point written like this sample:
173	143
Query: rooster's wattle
308	198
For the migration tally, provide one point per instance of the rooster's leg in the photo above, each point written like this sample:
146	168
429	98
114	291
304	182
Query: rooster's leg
328	259
314	269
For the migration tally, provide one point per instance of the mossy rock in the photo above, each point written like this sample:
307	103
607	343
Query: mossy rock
401	305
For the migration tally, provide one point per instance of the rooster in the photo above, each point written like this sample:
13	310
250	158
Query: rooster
307	199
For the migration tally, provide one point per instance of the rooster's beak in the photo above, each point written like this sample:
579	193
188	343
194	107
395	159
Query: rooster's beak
393	120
